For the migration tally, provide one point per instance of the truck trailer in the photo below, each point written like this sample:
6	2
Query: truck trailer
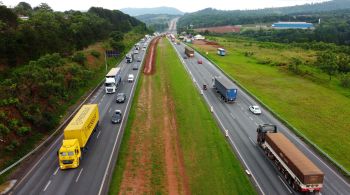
76	135
298	170
225	88
113	79
189	51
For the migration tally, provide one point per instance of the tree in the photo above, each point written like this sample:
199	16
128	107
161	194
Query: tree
23	9
327	61
43	7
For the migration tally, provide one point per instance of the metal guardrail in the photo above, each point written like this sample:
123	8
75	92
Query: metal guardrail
53	134
280	118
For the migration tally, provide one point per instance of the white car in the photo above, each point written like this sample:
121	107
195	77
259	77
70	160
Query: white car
130	78
255	109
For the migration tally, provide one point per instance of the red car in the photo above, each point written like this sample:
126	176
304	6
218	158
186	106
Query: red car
200	62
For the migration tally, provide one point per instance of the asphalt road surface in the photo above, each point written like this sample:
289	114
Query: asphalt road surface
93	174
241	127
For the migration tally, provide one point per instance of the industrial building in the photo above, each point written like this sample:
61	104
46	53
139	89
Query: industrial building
292	25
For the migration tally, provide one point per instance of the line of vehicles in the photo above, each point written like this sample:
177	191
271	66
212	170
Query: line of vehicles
296	169
79	130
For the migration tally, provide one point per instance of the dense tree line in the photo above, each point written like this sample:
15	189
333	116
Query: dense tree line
47	31
42	69
157	22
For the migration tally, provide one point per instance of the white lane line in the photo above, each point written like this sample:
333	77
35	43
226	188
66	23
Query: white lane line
256	124
98	134
110	110
251	118
252	141
279	177
232	116
79	175
47	185
56	171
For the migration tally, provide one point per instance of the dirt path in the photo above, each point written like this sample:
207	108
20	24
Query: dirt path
149	67
154	164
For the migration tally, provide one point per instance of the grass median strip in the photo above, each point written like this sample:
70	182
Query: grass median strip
183	151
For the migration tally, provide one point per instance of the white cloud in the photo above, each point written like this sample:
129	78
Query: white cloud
183	5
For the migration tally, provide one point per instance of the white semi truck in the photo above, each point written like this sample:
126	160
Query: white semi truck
113	79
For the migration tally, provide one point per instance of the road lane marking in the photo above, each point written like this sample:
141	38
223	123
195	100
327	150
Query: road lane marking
256	124
252	141
79	175
279	177
232	116
251	118
98	134
47	185
110	110
56	171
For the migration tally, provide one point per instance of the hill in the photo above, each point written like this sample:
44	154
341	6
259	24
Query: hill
212	17
156	22
154	10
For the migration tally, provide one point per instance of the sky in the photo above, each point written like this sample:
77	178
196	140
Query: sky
183	5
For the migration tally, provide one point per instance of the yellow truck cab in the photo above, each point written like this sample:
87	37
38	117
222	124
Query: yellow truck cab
69	154
76	135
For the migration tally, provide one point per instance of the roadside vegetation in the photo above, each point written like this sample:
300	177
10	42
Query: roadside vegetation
172	144
41	84
307	88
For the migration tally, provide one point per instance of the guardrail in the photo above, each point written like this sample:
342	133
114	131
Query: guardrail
280	118
53	134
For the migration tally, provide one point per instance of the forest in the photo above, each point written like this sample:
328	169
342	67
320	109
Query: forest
47	64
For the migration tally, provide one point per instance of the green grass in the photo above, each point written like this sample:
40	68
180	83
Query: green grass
210	164
316	107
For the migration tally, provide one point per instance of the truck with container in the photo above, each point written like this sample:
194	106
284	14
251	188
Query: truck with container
76	135
298	170
221	52
227	91
189	51
129	58
113	79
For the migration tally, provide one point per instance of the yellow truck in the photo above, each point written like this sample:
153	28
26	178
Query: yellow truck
76	135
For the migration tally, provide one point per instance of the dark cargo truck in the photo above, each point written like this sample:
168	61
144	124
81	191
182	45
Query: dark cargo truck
298	170
189	51
225	88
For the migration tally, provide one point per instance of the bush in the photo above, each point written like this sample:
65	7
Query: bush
345	80
4	130
3	115
79	58
265	61
14	123
12	145
248	53
95	53
23	131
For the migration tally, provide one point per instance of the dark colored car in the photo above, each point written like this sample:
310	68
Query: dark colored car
121	97
117	117
135	67
185	57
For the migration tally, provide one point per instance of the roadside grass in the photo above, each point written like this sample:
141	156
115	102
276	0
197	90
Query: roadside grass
210	164
316	107
117	177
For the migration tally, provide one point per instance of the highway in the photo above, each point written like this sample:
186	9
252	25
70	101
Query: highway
241	127
93	174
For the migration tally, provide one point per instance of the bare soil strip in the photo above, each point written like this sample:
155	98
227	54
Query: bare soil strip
149	67
154	163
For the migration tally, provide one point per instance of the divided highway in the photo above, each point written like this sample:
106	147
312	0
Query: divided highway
241	127
93	174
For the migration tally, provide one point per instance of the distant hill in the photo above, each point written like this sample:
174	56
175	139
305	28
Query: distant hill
157	22
212	17
155	10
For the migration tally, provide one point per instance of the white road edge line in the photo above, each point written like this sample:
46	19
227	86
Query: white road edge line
116	140
47	185
279	177
223	127
76	180
56	171
98	134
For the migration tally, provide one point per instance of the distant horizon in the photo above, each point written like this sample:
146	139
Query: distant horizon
181	5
